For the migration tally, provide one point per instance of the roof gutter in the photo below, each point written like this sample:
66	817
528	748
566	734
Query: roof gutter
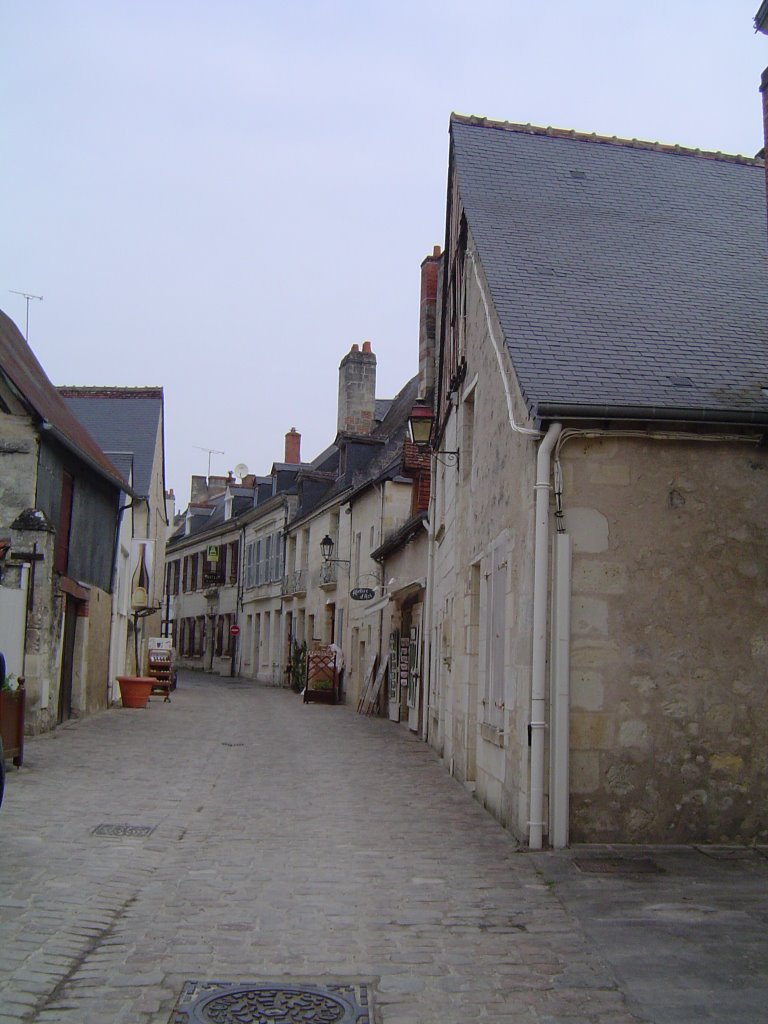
554	410
112	478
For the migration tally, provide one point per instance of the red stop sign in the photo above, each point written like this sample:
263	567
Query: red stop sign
234	631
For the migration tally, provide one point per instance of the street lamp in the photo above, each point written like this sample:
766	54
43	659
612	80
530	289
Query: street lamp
420	426
327	546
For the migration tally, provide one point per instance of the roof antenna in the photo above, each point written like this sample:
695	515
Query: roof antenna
211	451
27	296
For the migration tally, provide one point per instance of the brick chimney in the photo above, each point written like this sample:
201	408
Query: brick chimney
357	391
430	272
293	447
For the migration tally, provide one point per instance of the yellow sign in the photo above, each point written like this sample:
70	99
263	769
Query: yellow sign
213	553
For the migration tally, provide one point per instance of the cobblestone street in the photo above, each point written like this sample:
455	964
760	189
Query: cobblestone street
305	844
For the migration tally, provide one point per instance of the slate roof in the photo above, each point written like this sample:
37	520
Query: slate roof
628	277
121	420
18	363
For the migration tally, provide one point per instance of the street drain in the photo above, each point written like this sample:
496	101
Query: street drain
220	1002
132	831
727	852
233	744
617	865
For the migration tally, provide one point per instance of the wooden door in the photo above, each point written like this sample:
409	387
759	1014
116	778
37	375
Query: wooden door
67	660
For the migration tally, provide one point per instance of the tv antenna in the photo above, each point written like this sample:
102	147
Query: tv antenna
211	451
27	296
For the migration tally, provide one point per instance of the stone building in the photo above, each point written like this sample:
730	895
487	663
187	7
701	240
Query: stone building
128	424
598	579
265	638
355	494
202	573
59	516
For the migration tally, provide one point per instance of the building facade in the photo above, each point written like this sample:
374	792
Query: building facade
59	516
597	568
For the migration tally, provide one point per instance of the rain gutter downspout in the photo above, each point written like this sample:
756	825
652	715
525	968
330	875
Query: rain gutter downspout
539	658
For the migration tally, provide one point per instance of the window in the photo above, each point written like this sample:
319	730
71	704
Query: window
356	557
234	561
257	580
185	575
495	627
249	565
467	437
268	567
176	574
193	581
277	571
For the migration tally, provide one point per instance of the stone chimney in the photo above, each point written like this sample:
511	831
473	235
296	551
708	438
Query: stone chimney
430	272
357	391
199	489
293	447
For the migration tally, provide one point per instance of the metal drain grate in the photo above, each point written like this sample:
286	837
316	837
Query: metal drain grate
233	744
121	831
219	1002
617	865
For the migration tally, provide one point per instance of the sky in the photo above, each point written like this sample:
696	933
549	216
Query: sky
222	198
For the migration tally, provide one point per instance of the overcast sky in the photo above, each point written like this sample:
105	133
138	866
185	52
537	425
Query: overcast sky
221	198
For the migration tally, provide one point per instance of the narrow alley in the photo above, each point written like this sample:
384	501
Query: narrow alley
237	836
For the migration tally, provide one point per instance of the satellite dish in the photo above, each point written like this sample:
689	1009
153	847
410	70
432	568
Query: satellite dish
241	470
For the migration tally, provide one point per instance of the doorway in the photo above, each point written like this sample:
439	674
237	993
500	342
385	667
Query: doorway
64	712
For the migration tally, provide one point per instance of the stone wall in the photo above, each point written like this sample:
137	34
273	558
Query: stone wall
669	730
483	518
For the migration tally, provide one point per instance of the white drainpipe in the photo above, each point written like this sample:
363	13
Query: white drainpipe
539	661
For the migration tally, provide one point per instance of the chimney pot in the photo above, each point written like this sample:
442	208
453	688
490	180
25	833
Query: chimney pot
355	348
366	346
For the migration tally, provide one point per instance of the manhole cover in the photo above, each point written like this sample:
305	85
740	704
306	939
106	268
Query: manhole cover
617	865
217	1002
133	831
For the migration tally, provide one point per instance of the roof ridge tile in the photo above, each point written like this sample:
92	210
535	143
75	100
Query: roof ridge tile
477	121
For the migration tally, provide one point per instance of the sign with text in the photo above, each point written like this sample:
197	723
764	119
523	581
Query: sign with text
362	594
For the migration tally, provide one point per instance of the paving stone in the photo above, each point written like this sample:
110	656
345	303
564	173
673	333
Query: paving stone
331	846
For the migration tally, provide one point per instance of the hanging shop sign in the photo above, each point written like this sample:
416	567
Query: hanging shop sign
362	594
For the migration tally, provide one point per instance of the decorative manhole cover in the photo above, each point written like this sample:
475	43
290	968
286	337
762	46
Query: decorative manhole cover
617	865
218	1002
133	831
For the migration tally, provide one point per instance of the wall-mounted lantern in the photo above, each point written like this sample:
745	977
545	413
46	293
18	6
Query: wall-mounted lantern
327	546
420	426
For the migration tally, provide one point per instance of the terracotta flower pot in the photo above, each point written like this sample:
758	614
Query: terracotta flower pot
135	690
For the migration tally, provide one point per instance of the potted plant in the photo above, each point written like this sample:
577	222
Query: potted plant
12	705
